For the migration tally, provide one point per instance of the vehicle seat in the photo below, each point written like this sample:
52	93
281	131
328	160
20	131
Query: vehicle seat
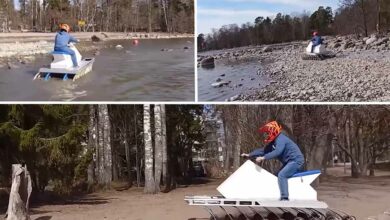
306	173
61	60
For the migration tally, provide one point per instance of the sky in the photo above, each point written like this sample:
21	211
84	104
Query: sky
16	3
215	13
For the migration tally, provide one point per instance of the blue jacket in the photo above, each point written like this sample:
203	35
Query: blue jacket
63	39
317	40
282	148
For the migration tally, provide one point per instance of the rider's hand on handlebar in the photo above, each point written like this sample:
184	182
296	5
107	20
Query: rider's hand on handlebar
244	155
260	159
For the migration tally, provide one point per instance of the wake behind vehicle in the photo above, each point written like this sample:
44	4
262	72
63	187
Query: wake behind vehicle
252	192
62	66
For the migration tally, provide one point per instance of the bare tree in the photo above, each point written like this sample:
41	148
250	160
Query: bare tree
92	142
104	147
164	146
158	147
150	185
150	16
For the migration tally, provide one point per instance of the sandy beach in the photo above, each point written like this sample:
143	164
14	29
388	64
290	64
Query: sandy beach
364	198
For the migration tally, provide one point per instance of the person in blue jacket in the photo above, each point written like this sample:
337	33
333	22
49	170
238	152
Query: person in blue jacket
280	147
62	40
316	40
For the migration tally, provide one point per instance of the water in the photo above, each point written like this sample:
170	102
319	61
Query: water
243	77
135	73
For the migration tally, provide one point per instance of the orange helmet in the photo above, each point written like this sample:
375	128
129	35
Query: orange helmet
273	129
65	27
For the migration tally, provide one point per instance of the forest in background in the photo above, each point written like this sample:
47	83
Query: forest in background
99	15
356	134
358	17
82	148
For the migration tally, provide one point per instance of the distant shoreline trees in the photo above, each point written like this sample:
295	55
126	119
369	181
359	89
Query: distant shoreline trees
360	17
99	15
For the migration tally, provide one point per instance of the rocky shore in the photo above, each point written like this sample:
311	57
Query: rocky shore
359	72
25	44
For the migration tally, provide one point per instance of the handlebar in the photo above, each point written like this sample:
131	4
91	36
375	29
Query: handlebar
253	159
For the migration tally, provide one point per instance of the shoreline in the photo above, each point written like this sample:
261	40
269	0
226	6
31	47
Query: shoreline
24	47
37	36
359	72
17	45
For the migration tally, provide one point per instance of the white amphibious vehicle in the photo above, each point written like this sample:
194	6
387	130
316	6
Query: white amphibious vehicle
62	66
319	49
319	52
252	192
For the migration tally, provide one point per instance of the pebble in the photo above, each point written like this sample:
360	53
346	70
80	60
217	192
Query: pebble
220	84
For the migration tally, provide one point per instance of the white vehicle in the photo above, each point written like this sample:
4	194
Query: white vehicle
252	192
62	66
319	52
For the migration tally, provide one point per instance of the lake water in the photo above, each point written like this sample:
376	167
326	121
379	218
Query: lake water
243	77
135	73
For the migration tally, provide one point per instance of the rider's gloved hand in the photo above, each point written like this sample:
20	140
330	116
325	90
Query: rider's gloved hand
260	159
244	155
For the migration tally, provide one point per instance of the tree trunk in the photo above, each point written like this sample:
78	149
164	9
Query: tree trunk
164	6
107	145
362	153
20	194
228	148
363	7
354	167
127	152
378	24
137	157
149	180
237	146
287	117
164	146
115	156
158	154
150	16
104	155
92	140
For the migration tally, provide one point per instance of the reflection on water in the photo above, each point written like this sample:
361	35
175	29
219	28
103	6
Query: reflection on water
135	73
243	78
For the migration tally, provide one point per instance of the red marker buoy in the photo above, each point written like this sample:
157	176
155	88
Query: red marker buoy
135	42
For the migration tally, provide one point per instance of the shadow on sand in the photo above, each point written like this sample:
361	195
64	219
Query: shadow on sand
46	217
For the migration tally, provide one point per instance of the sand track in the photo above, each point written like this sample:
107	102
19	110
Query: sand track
362	198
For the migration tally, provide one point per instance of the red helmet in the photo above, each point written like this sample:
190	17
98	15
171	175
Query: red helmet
315	33
65	27
273	129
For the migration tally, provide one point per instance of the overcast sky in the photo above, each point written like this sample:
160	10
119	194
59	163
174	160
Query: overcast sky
17	5
215	13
